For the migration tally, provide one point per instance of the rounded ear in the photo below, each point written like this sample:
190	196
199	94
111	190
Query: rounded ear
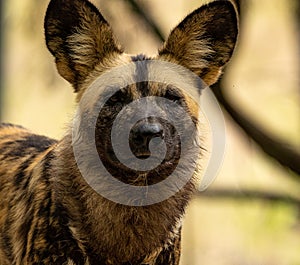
78	37
204	41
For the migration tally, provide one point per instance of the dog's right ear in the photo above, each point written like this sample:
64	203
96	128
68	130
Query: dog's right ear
204	41
79	38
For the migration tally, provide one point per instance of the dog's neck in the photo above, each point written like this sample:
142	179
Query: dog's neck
111	229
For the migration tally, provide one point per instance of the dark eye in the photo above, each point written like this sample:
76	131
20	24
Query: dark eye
173	96
118	97
114	98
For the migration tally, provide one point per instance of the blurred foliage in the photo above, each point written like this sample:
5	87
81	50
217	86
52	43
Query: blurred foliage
262	81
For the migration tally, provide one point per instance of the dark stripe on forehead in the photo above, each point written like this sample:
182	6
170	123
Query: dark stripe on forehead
143	88
141	73
139	57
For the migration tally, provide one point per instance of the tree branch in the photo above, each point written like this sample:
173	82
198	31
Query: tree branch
139	11
275	148
247	195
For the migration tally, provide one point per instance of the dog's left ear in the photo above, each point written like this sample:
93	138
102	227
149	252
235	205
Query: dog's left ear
204	41
79	38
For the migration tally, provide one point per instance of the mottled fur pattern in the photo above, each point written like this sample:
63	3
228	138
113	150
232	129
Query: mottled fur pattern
48	213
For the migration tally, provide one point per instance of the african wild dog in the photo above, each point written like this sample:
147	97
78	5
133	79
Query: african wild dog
48	213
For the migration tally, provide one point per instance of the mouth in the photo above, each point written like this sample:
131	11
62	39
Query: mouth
125	171
127	163
143	156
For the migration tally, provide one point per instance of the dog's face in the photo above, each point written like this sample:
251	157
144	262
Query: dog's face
149	119
85	49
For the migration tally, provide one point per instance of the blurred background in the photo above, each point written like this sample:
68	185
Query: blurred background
250	214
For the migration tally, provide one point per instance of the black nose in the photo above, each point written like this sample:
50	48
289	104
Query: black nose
141	135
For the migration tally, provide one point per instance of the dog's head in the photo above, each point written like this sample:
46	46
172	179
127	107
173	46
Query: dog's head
85	50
